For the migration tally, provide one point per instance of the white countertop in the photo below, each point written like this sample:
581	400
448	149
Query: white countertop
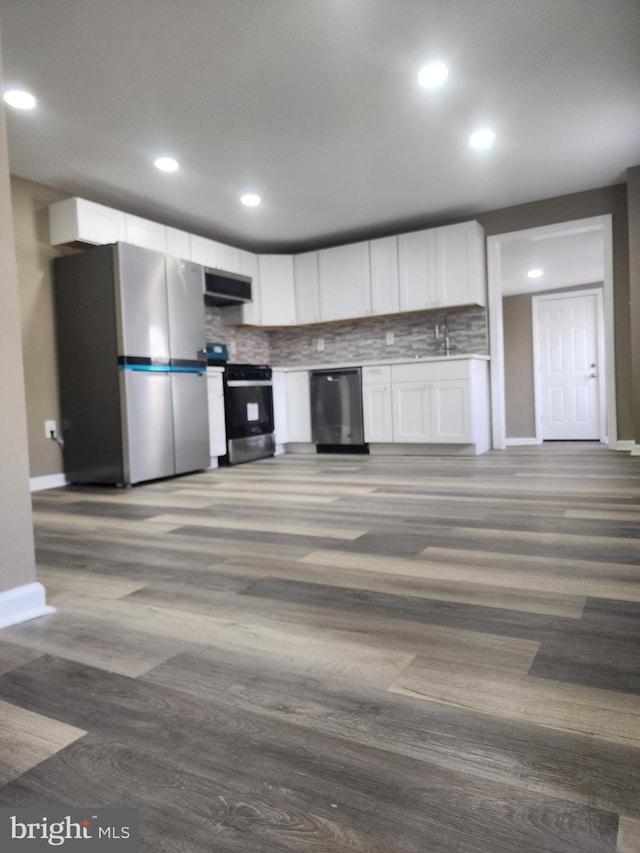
335	365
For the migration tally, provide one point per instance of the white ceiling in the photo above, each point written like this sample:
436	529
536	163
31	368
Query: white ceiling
566	257
315	105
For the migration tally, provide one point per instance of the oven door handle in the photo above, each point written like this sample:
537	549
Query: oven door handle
249	383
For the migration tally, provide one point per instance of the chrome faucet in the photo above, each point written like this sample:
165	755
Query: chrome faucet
442	335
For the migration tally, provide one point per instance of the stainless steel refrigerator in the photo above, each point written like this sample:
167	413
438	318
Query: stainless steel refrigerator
132	364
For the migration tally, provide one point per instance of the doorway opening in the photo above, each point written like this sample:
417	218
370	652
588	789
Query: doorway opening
525	268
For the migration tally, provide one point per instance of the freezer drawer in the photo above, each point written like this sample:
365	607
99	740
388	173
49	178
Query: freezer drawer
147	425
190	421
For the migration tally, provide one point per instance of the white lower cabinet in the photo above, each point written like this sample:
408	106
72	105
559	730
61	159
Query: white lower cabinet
298	406
451	411
280	420
376	404
217	431
439	402
411	412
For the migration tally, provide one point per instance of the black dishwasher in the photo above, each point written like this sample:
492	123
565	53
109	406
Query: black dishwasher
336	411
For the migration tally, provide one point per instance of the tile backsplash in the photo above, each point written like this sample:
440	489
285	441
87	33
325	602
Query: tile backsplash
247	345
349	341
366	340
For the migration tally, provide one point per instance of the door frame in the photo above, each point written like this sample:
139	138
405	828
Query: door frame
496	328
537	396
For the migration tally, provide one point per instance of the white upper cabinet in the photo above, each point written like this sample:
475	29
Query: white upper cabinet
442	267
78	220
226	258
178	244
276	290
215	255
385	294
202	251
461	264
251	311
307	291
145	233
430	269
418	271
345	282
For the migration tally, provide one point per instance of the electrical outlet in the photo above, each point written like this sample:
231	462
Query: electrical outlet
390	338
232	347
320	344
50	429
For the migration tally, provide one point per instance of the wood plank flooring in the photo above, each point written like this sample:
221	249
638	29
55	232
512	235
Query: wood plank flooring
339	653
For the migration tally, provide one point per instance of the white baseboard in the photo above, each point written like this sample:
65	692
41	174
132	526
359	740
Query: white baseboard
518	442
625	445
51	481
23	603
635	450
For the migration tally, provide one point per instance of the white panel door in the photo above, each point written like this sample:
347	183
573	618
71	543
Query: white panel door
568	367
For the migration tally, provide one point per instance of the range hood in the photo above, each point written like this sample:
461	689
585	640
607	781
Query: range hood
226	288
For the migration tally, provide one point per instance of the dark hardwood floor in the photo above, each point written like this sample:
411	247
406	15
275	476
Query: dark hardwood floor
341	653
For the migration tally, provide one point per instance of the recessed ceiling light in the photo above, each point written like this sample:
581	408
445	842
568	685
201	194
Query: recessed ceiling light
166	164
20	100
250	199
482	139
433	75
536	273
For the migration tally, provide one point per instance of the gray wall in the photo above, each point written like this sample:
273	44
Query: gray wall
35	276
518	367
17	560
